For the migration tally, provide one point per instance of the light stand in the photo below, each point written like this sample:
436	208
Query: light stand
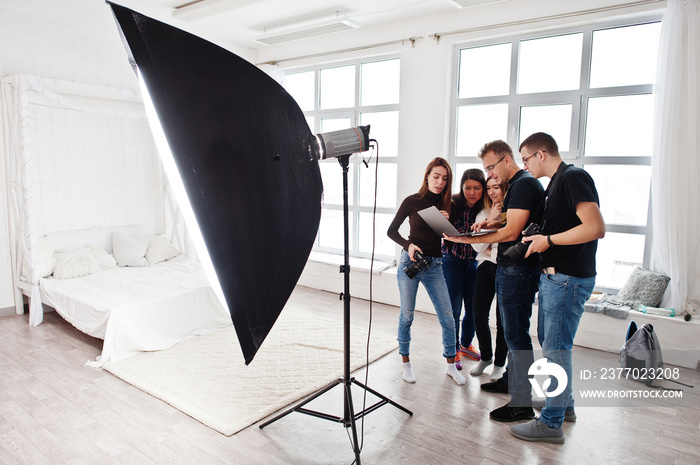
349	417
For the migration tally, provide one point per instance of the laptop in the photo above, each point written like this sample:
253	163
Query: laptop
440	224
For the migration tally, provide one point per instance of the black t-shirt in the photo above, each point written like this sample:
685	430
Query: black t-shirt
574	186
524	193
420	233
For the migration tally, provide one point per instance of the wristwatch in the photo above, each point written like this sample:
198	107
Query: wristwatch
549	241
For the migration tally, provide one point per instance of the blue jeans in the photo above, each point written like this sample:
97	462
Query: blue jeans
561	304
516	287
434	282
460	275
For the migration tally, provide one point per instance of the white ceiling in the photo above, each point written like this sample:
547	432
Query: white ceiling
241	21
235	24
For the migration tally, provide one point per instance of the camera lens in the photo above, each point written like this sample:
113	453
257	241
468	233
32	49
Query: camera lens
516	252
413	268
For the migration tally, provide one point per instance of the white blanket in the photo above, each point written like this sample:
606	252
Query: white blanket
136	309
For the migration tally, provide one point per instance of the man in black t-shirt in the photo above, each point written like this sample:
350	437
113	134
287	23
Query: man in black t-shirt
571	226
516	280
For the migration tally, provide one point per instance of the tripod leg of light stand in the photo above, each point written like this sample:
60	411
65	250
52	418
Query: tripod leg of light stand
349	417
383	401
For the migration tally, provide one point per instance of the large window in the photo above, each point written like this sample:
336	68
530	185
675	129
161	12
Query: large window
343	96
591	89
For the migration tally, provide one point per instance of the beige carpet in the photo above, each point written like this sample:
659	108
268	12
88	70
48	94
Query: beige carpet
206	378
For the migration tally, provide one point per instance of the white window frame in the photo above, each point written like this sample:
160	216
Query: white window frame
578	98
353	113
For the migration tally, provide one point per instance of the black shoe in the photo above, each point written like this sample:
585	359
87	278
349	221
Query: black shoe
495	386
508	413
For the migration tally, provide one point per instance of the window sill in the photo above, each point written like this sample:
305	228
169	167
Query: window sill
362	264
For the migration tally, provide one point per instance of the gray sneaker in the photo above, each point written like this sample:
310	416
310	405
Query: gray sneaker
569	414
536	431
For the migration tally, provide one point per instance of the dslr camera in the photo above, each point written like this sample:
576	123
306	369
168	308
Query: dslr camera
414	268
517	251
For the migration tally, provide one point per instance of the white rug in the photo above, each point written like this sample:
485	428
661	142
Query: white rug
206	378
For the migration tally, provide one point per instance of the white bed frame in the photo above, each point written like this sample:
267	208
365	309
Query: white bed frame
69	240
134	309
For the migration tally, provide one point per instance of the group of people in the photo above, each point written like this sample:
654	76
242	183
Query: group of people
556	258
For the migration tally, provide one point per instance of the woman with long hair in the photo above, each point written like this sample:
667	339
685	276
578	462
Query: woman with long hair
485	285
459	260
423	242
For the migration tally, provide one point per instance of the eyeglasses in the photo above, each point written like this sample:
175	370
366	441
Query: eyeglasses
490	167
525	159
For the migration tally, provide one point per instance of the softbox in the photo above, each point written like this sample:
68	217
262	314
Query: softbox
242	147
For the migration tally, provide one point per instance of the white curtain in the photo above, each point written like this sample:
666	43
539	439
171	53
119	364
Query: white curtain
18	150
676	158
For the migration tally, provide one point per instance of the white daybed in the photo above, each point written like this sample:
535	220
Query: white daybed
138	309
79	155
134	308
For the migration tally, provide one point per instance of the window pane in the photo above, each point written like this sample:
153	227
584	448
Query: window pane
625	56
379	82
623	192
479	124
555	120
384	127
301	87
617	256
550	64
335	124
620	126
484	71
337	87
311	121
330	231
386	185
332	177
383	245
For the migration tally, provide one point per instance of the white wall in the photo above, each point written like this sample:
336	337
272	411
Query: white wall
426	92
78	40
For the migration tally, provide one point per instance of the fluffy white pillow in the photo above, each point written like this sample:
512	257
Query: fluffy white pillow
105	259
47	260
75	263
160	249
643	287
129	251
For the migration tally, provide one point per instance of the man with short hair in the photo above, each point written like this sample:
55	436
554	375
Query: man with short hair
516	279
571	226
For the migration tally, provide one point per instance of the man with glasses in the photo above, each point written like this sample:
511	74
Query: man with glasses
516	279
571	226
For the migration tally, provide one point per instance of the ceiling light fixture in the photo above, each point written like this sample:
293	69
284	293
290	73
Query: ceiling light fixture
200	9
312	30
470	3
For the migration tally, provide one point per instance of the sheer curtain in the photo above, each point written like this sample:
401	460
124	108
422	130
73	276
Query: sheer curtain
676	159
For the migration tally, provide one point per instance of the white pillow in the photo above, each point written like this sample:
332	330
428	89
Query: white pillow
75	263
129	251
47	260
105	259
160	249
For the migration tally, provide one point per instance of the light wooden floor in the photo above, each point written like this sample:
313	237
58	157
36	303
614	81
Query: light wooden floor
54	410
